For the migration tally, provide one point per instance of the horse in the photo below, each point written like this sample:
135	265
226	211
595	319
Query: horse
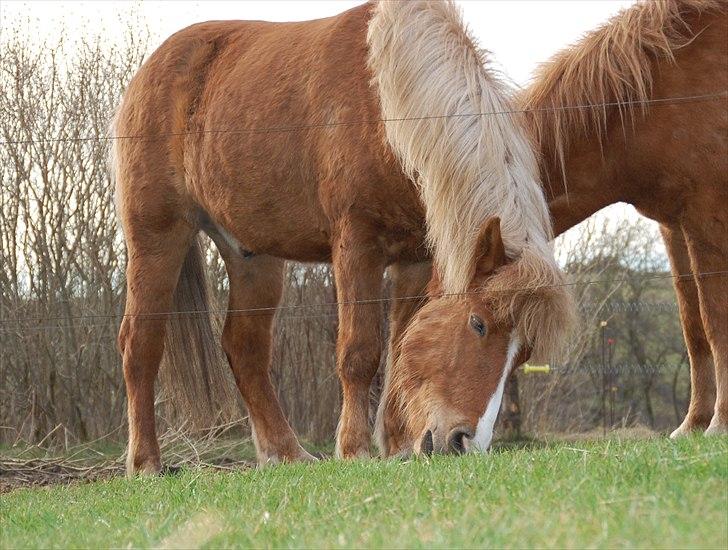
602	118
316	142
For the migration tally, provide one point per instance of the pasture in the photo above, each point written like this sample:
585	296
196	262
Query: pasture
609	493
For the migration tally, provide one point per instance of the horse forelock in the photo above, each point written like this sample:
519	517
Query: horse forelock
611	64
532	293
449	120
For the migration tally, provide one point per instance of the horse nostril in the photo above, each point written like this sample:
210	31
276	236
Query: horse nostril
427	445
456	439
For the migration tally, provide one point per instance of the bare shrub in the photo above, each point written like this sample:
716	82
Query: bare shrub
61	255
626	359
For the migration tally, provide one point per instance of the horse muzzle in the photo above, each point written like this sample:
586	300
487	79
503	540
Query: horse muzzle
453	441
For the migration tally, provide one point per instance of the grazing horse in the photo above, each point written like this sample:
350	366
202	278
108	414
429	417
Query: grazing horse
668	159
316	141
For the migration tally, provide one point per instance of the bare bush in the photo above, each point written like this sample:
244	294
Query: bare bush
626	363
60	250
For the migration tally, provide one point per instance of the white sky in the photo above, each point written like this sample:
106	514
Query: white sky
519	33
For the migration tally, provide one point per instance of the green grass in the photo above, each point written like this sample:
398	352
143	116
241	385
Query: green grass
610	493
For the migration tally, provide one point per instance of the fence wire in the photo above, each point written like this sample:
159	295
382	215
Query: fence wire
613	306
324	125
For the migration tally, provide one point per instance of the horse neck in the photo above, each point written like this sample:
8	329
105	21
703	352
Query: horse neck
586	183
597	172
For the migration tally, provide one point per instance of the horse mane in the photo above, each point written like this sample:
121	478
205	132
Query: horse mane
432	81
612	64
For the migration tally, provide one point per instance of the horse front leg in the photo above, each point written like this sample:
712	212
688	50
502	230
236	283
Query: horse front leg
702	377
705	236
409	289
358	268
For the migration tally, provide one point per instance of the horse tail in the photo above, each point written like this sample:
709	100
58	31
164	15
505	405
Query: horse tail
197	386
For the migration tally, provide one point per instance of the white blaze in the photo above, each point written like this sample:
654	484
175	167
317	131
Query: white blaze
484	431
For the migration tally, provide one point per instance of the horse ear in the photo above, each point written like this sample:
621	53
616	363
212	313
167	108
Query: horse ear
490	252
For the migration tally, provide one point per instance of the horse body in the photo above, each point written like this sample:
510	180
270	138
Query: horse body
239	91
269	137
666	160
670	161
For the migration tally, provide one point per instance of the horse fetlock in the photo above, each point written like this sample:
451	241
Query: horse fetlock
352	439
137	465
282	448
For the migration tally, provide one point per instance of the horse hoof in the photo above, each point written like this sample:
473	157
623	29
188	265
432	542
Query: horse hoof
717	428
301	455
682	431
305	456
354	454
144	469
692	424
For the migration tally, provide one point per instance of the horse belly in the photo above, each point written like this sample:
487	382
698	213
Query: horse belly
276	218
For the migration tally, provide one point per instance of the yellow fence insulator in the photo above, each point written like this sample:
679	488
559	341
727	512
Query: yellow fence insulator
531	369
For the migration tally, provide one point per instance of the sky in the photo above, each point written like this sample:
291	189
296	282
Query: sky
519	33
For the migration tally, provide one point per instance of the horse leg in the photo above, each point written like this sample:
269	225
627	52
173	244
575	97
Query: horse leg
708	248
702	378
358	269
409	294
257	282
409	288
155	259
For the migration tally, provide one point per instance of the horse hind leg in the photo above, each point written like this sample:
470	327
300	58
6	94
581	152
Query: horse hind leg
256	283
155	259
702	377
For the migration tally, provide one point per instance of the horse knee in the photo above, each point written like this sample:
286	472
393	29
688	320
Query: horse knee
122	337
358	364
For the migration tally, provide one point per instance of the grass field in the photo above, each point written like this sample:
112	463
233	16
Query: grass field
616	493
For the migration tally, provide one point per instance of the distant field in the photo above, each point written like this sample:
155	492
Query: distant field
611	493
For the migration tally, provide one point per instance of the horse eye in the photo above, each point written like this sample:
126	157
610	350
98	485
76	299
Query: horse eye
477	324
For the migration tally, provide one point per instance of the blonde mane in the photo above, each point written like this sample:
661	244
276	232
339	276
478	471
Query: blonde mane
428	70
611	64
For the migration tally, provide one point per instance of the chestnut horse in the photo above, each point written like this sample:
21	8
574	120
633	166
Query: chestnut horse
668	160
253	133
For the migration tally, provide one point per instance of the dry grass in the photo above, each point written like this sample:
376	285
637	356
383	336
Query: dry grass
36	465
